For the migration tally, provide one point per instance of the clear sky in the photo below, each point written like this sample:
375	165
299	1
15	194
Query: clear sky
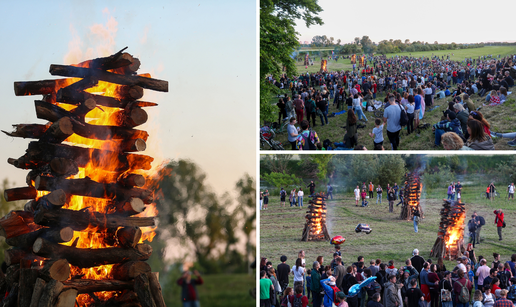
443	21
206	50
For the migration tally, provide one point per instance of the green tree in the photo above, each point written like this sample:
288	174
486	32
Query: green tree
278	39
322	162
246	211
279	180
275	163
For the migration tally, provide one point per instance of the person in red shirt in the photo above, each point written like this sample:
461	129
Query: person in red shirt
495	285
299	105
499	222
189	295
363	196
299	294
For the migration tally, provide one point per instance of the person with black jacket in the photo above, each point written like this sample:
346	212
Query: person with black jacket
391	196
348	281
312	187
472	227
446	283
417	261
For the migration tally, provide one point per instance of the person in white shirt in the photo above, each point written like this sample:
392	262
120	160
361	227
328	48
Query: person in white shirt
299	272
300	195
510	190
357	195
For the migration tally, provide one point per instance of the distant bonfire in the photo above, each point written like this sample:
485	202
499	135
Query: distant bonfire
315	227
411	196
450	238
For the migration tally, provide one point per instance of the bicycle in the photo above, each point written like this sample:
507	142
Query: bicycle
267	139
483	195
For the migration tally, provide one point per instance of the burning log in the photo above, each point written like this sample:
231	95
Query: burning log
20	193
17	223
80	72
131	180
131	117
90	188
67	298
107	132
56	269
130	207
87	258
27	281
57	235
81	220
315	227
130	270
128	236
106	101
450	239
142	288
43	87
33	131
91	285
130	92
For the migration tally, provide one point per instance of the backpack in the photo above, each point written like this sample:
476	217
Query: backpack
403	117
297	301
504	279
464	293
472	226
308	143
482	221
283	193
512	293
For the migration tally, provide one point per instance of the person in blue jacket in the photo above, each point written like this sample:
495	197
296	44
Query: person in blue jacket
330	291
450	124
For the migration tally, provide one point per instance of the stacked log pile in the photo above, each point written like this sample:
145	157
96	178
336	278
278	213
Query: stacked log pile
324	65
411	196
315	226
47	237
450	237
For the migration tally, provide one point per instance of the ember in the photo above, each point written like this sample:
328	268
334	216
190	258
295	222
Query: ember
411	196
450	238
79	240
315	227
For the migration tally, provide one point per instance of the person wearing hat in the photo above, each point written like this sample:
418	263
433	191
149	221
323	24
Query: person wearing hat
330	291
450	124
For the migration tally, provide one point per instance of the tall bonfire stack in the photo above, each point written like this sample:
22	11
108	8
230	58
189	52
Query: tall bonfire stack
79	239
411	196
450	237
315	226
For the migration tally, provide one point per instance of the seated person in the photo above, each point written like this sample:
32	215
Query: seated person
450	124
510	135
493	98
451	141
478	139
509	79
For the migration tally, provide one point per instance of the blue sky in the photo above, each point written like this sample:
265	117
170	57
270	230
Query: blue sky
205	49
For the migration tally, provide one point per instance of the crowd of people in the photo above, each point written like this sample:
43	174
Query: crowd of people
411	86
415	283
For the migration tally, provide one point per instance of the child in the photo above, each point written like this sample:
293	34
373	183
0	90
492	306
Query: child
337	250
377	133
308	282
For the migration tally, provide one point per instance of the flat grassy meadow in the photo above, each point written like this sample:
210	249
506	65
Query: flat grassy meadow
391	238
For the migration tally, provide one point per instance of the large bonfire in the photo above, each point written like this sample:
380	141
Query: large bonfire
80	239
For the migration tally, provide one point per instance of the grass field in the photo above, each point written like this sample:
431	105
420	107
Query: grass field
500	117
391	238
218	290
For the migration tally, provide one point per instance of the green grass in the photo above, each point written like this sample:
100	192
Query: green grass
218	290
500	117
391	238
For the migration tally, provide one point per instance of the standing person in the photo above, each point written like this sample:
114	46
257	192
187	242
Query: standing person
261	200
312	187
458	190
357	195
503	301
189	295
300	195
482	272
299	273
316	286
510	191
391	198
396	188
282	272
292	132
446	283
450	192
391	298
434	288
492	190
417	217
307	139
472	227
283	195
292	197
371	189
377	133
462	284
481	223
299	105
379	192
298	299
265	290
391	117
329	191
265	199
417	261
410	108
499	222
282	110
